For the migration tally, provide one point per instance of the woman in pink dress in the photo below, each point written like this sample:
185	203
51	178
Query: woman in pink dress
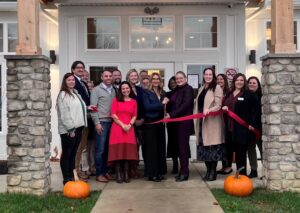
122	141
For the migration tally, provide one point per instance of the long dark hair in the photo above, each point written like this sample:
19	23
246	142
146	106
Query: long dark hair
258	92
212	86
75	63
64	86
234	80
169	83
120	96
226	85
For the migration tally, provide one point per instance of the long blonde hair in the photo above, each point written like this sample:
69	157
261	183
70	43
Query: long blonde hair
161	85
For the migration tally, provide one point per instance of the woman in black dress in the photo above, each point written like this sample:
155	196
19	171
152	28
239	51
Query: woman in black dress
245	105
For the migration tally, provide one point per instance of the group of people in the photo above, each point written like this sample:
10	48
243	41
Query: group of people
113	120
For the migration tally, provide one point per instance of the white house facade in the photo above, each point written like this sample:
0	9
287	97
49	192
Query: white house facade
158	36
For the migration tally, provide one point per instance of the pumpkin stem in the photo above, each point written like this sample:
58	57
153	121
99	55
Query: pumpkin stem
75	175
238	172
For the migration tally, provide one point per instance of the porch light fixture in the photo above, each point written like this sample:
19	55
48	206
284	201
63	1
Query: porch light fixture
152	11
52	56
252	57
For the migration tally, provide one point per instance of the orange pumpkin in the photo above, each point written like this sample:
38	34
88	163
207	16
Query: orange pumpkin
76	189
238	185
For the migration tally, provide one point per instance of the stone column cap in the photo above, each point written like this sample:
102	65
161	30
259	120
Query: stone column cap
27	57
280	55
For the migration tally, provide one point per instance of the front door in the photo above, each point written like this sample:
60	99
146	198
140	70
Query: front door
166	70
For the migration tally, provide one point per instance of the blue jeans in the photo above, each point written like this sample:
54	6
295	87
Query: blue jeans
101	149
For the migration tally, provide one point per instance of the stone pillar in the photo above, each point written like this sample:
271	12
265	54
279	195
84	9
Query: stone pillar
28	112
281	119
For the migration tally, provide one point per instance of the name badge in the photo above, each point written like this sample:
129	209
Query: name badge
240	98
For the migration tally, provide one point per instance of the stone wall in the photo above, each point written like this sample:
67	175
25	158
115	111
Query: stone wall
281	121
28	112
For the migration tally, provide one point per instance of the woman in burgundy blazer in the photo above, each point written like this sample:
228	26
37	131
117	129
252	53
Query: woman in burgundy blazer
181	104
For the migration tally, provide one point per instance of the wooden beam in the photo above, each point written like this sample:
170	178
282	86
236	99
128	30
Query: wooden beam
28	28
282	39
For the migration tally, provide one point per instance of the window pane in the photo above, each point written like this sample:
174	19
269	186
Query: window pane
152	33
12	30
12	43
201	32
1	37
1	100
103	33
96	71
268	35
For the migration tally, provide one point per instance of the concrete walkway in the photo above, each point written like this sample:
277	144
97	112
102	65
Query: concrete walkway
168	196
142	196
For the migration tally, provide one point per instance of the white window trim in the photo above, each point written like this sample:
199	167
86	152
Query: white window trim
149	49
102	50
3	130
298	33
206	48
103	65
5	37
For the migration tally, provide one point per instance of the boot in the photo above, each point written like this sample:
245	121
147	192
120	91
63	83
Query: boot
208	168
126	170
253	173
213	171
175	166
119	176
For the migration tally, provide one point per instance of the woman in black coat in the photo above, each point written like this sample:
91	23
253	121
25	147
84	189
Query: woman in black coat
245	105
172	148
154	134
181	104
255	87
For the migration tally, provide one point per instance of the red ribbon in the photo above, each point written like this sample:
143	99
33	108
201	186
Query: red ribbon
201	115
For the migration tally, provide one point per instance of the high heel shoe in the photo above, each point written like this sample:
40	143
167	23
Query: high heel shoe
182	178
154	179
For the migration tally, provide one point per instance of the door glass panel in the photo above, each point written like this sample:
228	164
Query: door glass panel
96	71
198	69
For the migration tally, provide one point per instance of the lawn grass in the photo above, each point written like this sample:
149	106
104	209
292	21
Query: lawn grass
52	202
261	201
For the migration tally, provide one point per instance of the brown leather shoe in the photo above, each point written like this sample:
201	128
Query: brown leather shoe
109	177
102	179
82	175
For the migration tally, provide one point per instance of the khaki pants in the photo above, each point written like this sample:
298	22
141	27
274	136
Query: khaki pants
81	147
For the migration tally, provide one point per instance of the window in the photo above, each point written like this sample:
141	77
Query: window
269	33
198	69
103	33
152	33
12	37
1	98
200	32
8	37
96	71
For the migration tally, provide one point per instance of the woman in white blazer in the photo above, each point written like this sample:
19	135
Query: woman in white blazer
71	111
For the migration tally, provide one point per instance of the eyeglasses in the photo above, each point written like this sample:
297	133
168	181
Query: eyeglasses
155	79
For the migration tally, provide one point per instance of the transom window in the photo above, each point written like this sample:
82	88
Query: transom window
152	32
200	32
268	35
103	33
8	37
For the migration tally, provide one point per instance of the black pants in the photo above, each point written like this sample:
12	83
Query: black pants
229	148
69	148
155	149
